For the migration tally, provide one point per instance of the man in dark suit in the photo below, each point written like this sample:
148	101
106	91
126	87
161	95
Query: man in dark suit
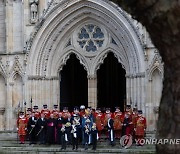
32	128
41	124
110	126
59	123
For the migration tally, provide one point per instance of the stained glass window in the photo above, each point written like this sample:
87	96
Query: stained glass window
90	38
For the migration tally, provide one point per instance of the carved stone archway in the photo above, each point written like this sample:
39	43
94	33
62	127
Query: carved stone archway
57	35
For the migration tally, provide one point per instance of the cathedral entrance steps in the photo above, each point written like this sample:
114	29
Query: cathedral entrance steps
35	149
10	144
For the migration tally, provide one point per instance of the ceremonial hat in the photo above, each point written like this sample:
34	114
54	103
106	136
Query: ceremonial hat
82	107
107	110
76	108
65	108
29	109
139	111
45	105
35	107
128	106
55	106
21	112
135	109
88	121
117	109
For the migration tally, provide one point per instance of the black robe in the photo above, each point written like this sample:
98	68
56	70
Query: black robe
50	133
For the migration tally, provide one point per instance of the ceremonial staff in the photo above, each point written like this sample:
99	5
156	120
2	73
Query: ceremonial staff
125	103
25	108
31	103
40	131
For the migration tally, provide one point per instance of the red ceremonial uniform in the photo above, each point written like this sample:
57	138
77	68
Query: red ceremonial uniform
22	127
37	114
140	126
46	112
118	121
99	119
55	113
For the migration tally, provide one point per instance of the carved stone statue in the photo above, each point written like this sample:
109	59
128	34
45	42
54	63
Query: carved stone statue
33	10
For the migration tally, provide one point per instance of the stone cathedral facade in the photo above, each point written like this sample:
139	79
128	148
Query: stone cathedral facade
37	37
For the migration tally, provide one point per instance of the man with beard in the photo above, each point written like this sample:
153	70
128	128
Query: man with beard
50	133
41	124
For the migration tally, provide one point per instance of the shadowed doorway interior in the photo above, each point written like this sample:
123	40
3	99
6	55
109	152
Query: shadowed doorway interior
73	84
111	83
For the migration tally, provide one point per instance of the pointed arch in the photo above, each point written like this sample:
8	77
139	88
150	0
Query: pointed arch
59	23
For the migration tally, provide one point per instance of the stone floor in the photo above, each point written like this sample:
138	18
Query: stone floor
9	144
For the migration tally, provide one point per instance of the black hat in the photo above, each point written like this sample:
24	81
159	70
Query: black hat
35	107
55	106
139	111
135	109
21	112
29	109
65	108
128	106
76	108
117	108
45	105
108	109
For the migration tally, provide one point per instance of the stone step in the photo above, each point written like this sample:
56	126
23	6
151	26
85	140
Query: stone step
53	149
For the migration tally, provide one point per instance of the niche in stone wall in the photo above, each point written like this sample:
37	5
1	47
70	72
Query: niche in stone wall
156	92
2	27
17	94
2	101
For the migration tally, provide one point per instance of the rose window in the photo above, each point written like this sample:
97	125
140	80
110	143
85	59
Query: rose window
90	38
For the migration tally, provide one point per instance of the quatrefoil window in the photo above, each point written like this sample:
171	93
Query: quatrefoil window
90	38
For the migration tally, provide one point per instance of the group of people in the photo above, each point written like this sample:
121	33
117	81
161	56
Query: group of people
83	125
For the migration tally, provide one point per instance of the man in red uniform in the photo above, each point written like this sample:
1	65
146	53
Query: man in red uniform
140	127
134	119
118	122
45	111
99	119
22	127
36	112
127	123
55	111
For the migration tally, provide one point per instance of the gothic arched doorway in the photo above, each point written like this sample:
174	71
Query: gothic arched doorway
73	84
111	83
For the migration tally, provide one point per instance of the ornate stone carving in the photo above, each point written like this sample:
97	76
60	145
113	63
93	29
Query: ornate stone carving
33	10
156	64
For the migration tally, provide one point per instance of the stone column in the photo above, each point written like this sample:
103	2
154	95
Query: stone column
9	109
9	26
92	91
